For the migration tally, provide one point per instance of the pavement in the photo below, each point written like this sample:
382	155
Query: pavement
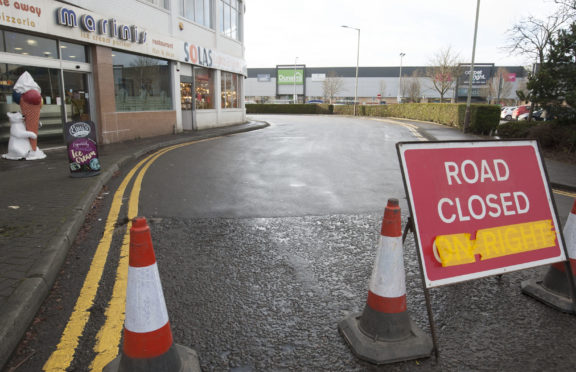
43	208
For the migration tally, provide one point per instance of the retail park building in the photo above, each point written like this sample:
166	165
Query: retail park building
137	68
494	84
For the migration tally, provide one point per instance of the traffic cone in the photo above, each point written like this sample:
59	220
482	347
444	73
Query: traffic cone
383	332
555	290
148	344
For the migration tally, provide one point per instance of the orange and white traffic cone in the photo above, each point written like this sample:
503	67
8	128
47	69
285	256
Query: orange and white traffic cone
383	332
148	344
555	289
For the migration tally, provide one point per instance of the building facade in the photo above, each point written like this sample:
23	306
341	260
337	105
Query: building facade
376	85
136	68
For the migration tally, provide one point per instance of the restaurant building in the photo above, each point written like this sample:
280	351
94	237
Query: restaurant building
136	68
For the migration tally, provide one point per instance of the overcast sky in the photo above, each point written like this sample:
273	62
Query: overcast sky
276	32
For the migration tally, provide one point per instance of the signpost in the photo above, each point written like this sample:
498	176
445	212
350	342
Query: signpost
479	208
82	149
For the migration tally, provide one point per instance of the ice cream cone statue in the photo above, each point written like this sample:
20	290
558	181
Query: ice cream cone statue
30	102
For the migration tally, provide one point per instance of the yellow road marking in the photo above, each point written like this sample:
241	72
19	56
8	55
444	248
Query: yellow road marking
64	353
110	333
565	193
411	127
63	356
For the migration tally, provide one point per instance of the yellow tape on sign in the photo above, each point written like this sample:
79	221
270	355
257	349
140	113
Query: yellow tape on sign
458	249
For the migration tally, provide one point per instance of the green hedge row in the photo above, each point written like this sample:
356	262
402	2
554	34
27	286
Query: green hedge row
553	135
286	109
484	119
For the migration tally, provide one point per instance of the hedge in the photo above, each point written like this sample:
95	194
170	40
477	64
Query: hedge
286	109
484	119
553	135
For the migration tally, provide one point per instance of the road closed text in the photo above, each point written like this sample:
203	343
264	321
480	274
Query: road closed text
479	207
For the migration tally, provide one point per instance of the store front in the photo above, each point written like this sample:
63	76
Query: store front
60	68
125	78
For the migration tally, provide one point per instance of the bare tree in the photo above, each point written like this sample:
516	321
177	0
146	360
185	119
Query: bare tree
382	89
567	6
411	88
331	86
443	70
522	93
532	36
499	86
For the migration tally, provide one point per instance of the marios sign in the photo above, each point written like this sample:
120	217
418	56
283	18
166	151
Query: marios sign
479	208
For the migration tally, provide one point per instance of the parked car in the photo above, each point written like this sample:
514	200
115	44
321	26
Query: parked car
536	115
506	112
519	111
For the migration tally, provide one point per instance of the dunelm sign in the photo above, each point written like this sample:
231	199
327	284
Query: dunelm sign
290	77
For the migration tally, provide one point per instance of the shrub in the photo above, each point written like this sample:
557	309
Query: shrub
551	135
484	119
286	109
515	129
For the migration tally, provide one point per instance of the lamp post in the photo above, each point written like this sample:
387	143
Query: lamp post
471	76
357	64
294	80
399	98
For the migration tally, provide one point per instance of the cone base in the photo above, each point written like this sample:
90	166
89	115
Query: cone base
416	345
186	357
535	289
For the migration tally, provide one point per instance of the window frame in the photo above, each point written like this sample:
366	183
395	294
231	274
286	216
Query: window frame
189	10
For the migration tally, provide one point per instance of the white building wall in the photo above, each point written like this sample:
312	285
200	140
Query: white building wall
168	22
368	87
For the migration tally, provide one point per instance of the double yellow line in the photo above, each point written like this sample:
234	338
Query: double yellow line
565	193
108	338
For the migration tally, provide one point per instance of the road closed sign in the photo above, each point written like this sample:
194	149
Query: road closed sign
479	208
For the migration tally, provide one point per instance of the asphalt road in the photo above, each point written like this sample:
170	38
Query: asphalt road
266	240
301	165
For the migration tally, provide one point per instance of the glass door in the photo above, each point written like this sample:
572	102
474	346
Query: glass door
77	98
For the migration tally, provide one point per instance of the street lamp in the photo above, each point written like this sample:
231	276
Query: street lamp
294	80
471	76
398	98
357	63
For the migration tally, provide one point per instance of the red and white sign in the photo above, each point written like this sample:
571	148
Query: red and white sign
511	77
479	208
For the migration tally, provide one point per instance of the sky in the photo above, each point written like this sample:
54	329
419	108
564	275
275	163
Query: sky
309	32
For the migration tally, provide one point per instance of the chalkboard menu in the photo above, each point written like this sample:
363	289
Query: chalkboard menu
82	148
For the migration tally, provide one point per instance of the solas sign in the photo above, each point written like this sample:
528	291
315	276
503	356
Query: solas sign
479	208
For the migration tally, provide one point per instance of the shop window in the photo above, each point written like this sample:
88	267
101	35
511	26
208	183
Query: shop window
30	45
2	41
230	18
204	83
141	83
49	82
198	11
230	89
73	52
186	93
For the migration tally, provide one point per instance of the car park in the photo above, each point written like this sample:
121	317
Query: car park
536	115
506	112
519	111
